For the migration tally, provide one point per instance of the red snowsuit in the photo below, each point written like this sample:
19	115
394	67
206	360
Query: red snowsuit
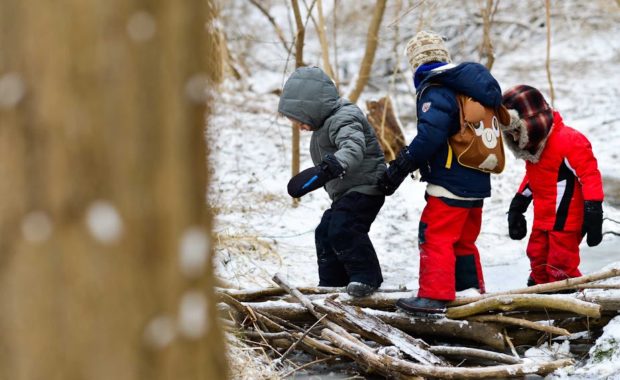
565	176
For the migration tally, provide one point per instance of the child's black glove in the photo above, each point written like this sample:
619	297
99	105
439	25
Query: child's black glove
396	172
312	178
593	222
517	225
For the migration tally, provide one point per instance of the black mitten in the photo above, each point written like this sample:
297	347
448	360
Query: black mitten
396	172
593	222
313	178
517	225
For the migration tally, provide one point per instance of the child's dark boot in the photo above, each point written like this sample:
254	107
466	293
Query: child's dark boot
420	306
358	289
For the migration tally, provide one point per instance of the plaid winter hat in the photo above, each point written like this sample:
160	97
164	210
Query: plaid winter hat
535	118
426	47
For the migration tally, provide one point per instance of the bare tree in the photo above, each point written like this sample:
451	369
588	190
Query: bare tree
320	29
299	61
548	60
486	48
273	23
372	40
104	229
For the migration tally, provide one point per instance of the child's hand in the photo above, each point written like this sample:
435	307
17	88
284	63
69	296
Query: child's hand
396	173
312	178
593	222
517	225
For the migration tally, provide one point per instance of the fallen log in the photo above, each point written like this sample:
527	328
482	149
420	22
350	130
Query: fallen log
375	329
248	295
474	353
530	301
549	287
408	368
486	334
336	329
608	302
520	322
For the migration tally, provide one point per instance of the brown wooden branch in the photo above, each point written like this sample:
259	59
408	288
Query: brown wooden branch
389	363
484	333
248	295
320	29
549	287
363	355
530	301
273	23
519	322
305	301
377	330
474	353
372	40
487	334
548	59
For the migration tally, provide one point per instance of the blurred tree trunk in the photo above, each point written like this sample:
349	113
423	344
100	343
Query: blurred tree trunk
104	229
372	40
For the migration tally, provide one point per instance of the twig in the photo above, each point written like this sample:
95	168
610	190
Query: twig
520	322
512	346
292	347
474	353
548	61
289	373
272	21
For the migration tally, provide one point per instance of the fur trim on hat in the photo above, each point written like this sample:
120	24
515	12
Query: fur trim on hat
517	139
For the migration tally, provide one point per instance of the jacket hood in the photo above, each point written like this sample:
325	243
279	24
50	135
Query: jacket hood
527	142
309	96
470	79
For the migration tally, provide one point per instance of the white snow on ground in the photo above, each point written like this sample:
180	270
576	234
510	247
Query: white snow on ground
260	232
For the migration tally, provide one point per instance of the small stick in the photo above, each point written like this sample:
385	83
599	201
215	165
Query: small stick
520	322
512	347
289	373
292	347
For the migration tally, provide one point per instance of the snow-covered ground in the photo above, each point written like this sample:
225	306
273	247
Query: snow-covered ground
260	231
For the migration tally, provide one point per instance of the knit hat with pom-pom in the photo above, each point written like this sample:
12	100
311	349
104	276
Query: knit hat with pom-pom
426	47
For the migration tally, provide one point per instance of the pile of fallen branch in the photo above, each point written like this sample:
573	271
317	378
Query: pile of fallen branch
479	337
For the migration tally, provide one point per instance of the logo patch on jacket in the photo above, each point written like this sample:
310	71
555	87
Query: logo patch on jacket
426	106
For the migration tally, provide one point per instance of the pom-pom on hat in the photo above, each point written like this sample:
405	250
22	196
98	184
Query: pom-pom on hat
426	47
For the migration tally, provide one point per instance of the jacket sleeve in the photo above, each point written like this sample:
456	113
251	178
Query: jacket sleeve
437	109
349	138
525	188
581	159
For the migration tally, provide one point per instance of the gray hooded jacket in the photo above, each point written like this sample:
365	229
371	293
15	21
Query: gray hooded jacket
339	128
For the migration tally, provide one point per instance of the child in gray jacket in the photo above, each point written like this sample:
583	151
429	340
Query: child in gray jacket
348	163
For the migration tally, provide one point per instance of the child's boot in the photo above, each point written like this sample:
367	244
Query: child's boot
418	305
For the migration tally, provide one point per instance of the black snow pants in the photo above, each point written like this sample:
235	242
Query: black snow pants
344	250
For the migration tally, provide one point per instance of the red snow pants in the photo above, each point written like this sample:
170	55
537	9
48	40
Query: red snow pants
554	255
449	259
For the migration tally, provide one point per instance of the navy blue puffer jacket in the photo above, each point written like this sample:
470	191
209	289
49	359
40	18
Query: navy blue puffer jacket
438	119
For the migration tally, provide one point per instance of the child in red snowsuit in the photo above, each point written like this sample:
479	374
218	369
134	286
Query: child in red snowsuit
561	177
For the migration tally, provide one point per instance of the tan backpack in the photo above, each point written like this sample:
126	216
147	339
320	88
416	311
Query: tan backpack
478	144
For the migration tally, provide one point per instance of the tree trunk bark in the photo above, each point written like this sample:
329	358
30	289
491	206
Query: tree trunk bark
372	40
104	228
